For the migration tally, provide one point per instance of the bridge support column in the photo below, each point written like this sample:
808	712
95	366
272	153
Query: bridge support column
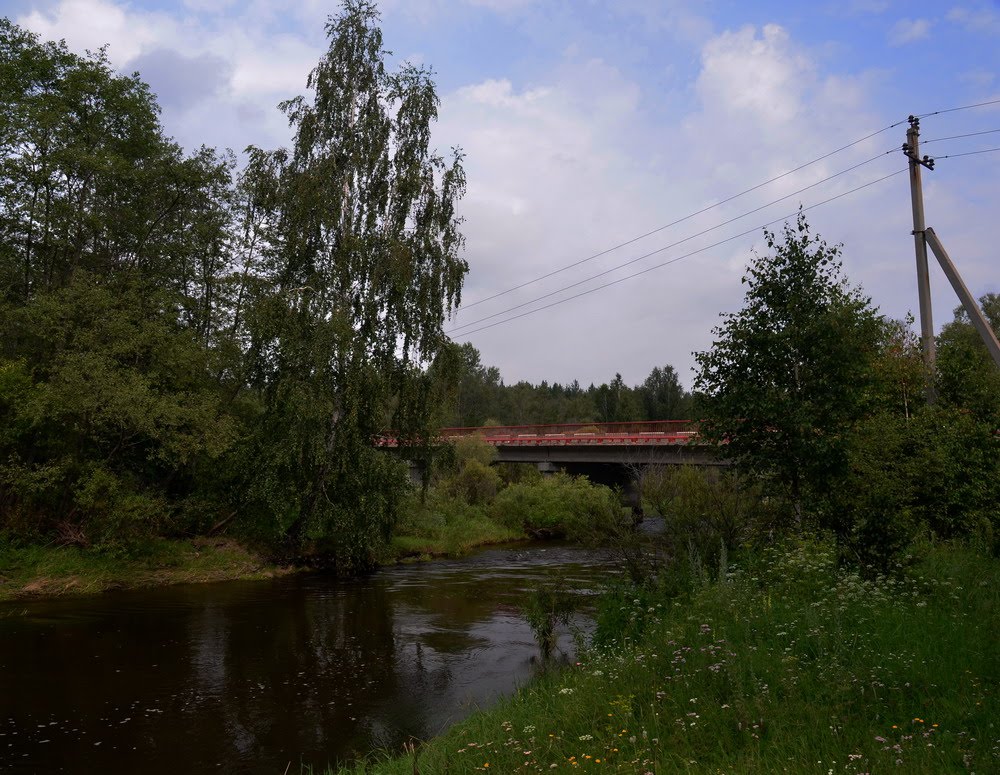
546	468
416	472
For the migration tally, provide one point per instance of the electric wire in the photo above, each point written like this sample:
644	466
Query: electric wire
458	328
686	255
718	204
960	107
957	137
679	220
967	153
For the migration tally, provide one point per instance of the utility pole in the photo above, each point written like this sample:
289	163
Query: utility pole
922	237
912	149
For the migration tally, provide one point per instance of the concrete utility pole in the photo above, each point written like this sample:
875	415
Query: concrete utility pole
968	301
922	237
912	148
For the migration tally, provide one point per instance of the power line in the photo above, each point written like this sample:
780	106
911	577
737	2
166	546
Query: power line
716	204
960	107
957	137
679	220
686	255
666	247
967	153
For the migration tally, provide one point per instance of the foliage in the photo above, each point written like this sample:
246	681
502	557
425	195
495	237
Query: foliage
110	261
475	483
474	448
789	375
967	377
706	511
441	524
551	603
480	397
182	346
359	268
556	505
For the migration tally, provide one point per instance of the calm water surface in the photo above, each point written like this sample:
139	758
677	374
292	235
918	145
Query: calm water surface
245	677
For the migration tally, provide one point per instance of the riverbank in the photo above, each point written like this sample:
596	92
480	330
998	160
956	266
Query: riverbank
787	664
52	571
49	571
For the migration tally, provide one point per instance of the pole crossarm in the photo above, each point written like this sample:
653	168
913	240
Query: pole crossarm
968	301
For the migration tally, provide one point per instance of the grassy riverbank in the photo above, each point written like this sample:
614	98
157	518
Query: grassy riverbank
37	571
785	664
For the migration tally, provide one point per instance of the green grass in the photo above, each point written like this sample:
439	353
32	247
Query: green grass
34	570
442	526
784	665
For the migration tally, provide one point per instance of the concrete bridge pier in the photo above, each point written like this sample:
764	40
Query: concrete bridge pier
547	467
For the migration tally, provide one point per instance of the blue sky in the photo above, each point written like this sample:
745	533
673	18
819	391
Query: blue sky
588	123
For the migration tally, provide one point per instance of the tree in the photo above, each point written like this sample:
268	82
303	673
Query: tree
360	268
967	377
662	396
112	245
789	374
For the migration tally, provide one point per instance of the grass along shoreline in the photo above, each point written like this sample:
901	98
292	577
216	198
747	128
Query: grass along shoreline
53	571
36	571
786	664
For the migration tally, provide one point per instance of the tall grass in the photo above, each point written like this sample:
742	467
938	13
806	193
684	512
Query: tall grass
785	663
27	570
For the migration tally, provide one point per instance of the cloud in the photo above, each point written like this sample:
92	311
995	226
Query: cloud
90	24
234	70
181	81
908	31
576	145
979	19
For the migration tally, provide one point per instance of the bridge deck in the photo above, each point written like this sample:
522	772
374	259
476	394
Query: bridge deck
625	434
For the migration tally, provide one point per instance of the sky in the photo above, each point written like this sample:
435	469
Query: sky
587	124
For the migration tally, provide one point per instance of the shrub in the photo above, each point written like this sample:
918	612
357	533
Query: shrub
550	603
474	447
559	505
476	483
706	510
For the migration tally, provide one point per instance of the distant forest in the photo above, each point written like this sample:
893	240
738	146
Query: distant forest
481	397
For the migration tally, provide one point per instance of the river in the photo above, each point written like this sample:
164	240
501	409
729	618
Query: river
247	677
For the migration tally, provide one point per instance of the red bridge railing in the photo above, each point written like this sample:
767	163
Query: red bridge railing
564	434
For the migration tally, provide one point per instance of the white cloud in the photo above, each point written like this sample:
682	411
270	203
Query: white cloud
980	19
909	31
569	160
90	24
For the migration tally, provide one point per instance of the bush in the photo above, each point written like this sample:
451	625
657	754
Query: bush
441	523
550	603
476	483
559	505
474	447
705	510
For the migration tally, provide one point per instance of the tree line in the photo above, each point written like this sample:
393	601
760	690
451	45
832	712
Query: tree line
479	396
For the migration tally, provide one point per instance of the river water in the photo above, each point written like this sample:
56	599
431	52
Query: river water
247	677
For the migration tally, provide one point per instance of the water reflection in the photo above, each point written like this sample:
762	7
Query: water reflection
246	677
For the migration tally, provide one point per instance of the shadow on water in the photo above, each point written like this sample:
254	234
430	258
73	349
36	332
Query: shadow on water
244	677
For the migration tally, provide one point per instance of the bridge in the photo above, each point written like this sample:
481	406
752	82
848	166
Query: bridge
608	453
621	443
